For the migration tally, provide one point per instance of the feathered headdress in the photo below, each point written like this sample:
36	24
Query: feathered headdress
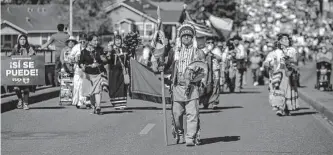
185	29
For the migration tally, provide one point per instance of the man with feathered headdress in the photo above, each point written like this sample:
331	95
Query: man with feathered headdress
185	92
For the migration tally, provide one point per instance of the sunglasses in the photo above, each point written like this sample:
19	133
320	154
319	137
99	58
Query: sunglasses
209	42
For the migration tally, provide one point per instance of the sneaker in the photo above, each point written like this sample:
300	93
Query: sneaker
255	84
280	113
25	107
19	104
197	141
122	107
190	143
275	109
214	107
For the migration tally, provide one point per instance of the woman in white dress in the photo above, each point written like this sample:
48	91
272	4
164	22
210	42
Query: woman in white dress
282	62
78	98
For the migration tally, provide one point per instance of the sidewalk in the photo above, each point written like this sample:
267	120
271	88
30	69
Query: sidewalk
10	102
319	100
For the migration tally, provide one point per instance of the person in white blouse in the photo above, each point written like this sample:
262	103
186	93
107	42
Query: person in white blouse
283	70
241	57
78	99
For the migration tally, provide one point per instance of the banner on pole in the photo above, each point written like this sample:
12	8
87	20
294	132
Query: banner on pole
22	70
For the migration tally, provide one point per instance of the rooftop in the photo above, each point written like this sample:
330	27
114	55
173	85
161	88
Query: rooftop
32	18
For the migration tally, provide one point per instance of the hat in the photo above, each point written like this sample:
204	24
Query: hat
186	29
237	37
71	38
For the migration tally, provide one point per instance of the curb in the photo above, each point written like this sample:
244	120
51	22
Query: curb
8	104
316	104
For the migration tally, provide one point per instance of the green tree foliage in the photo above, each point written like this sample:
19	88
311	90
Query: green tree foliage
89	15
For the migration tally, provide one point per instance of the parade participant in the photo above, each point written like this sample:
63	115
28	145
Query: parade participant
282	63
241	56
23	48
92	61
65	53
58	39
255	67
184	53
213	59
118	60
78	99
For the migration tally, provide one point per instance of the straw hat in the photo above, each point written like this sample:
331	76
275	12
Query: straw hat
71	38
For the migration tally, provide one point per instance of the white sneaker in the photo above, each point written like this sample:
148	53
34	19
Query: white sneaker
25	107
255	84
20	104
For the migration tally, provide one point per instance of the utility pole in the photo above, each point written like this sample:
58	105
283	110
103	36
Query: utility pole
71	17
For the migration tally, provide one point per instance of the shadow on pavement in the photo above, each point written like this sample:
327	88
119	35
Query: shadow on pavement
146	108
303	108
303	113
107	106
302	87
47	107
248	92
210	112
219	139
231	107
243	92
117	112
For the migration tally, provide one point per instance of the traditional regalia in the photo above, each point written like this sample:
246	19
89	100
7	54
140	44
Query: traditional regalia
185	92
283	94
213	59
118	75
78	99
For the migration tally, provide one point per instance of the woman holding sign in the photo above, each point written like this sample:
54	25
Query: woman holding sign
92	63
23	48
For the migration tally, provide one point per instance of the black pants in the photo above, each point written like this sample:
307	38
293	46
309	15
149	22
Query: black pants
57	69
26	92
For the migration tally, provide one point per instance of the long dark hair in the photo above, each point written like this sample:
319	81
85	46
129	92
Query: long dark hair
26	45
279	37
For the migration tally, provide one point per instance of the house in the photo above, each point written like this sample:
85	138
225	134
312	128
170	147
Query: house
39	22
143	14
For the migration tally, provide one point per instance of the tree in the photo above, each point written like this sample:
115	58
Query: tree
219	8
88	15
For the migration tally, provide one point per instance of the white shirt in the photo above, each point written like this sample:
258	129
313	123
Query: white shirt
241	54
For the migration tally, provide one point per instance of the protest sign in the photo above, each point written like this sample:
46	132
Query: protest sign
22	70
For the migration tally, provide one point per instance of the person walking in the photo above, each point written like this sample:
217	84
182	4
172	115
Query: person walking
118	59
59	41
92	60
213	58
283	94
184	53
78	99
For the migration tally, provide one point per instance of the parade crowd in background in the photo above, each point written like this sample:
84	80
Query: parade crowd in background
272	44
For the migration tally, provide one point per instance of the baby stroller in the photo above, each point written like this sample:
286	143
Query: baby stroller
324	69
65	79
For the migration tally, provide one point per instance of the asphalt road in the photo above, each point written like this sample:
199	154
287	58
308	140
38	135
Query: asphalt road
244	124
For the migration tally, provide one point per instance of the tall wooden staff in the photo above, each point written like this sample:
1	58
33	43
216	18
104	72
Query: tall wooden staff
155	39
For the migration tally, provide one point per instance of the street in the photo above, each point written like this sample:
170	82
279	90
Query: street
243	124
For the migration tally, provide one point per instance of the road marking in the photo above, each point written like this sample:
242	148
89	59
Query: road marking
147	128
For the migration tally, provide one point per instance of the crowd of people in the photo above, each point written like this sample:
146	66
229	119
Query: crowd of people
272	44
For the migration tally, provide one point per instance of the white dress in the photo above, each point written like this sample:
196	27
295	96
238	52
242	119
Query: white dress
78	98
